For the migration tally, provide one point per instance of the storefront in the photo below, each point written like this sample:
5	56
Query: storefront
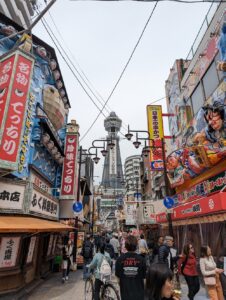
198	222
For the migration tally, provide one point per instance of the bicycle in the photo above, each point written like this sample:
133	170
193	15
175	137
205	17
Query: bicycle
107	291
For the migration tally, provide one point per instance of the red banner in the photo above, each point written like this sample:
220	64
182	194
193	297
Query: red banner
14	119
203	206
69	169
6	69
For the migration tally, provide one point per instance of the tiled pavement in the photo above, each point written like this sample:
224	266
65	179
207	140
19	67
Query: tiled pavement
53	289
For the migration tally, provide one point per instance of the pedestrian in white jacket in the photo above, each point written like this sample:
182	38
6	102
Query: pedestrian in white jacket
211	274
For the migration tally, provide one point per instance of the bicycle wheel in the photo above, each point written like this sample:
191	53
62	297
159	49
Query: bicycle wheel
89	290
109	292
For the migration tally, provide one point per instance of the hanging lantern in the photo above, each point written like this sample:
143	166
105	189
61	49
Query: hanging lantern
45	138
59	84
62	93
53	64
56	74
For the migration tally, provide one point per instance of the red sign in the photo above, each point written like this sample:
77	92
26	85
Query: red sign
203	206
69	171
6	68
14	119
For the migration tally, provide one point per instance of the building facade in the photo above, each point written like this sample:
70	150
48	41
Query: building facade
196	166
34	111
132	176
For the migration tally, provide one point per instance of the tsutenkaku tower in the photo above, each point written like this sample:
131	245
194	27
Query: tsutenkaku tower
112	173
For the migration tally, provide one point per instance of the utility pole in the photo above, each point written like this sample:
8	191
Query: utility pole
78	196
170	224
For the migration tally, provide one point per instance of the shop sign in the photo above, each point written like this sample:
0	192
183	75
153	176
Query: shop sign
44	205
11	196
130	213
31	249
205	188
113	160
155	129
69	167
14	117
5	86
8	251
39	182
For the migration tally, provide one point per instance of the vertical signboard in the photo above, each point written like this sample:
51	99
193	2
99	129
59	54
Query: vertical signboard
8	251
113	160
16	103
31	250
69	168
155	129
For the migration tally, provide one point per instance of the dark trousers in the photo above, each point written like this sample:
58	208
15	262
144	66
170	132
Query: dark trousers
193	285
98	284
67	271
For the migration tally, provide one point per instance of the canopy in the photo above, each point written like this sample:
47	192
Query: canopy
29	224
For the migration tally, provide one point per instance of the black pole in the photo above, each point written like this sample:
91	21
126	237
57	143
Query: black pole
78	194
170	224
93	216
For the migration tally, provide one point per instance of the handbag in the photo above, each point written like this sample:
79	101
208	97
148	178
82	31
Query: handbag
210	280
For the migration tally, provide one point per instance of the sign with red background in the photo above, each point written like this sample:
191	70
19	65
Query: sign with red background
203	206
69	169
14	118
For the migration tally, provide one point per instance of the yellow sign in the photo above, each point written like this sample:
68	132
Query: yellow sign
155	129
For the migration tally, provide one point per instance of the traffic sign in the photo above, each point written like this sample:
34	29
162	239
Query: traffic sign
168	202
77	207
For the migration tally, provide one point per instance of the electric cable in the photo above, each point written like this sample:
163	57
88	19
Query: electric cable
107	108
122	73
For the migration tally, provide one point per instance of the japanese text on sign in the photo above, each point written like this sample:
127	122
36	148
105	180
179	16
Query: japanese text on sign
17	105
11	196
8	251
69	171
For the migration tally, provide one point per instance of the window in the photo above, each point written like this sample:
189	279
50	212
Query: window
210	80
197	99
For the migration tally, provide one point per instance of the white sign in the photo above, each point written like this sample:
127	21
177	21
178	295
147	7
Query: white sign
130	213
39	182
11	196
31	249
113	160
44	204
8	251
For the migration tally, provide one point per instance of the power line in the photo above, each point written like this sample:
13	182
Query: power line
123	71
93	89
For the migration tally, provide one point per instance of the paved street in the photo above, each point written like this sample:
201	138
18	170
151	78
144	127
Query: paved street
53	289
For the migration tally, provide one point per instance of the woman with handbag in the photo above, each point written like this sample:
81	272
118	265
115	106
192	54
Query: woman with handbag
211	274
187	266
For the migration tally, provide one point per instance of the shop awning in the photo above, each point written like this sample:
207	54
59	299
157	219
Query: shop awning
29	224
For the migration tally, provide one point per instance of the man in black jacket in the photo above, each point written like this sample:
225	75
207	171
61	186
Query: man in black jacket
87	253
164	253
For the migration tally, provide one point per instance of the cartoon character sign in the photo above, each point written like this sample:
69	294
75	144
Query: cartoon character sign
203	145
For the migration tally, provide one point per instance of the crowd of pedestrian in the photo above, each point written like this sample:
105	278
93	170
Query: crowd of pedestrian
145	273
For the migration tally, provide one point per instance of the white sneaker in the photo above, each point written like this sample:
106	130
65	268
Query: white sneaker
66	277
63	280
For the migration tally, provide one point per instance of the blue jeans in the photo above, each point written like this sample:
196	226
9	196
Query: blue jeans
85	269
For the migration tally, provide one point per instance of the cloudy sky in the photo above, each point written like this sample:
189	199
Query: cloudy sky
99	37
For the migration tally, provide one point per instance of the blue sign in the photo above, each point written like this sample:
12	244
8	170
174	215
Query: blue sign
168	202
77	207
137	195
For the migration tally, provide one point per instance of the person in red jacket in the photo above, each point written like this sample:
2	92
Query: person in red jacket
187	266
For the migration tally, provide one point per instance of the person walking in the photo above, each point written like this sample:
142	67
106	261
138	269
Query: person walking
155	251
95	265
160	283
130	269
187	266
115	243
87	253
142	246
164	254
211	274
67	254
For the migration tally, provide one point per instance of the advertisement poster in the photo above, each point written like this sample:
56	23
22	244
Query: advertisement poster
80	240
31	249
9	247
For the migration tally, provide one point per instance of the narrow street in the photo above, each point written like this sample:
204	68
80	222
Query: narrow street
53	289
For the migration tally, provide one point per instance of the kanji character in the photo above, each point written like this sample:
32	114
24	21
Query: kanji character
70	148
21	78
15	197
4	195
7	67
70	156
44	204
24	68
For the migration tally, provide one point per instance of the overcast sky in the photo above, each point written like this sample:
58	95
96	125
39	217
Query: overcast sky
101	36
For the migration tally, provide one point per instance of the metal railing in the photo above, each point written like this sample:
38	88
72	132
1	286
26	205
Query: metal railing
205	24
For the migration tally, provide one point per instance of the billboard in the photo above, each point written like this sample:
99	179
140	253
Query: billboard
69	167
155	129
15	73
203	144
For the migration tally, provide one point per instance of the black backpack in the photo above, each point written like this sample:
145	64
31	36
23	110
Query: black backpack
110	249
87	249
